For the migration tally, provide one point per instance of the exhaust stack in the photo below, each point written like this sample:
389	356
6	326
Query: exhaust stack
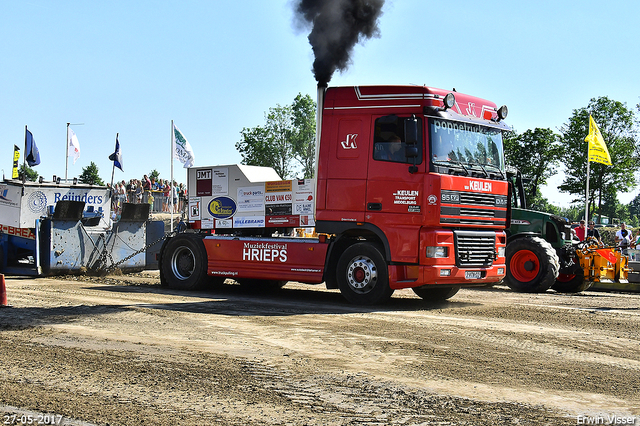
322	89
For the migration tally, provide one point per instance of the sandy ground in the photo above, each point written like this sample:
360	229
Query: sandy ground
121	350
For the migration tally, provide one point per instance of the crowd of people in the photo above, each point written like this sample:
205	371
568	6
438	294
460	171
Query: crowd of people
623	238
162	194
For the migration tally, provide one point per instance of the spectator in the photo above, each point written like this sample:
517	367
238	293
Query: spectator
139	191
146	183
181	198
174	196
593	232
166	190
623	237
131	191
581	231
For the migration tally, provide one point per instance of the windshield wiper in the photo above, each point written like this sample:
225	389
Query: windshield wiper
451	163
498	169
486	174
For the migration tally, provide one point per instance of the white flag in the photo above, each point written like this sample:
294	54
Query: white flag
181	148
73	147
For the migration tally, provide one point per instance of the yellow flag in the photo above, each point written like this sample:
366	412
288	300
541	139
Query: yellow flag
16	158
597	148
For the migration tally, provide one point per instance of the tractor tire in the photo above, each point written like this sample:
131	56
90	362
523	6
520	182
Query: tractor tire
429	294
571	283
184	263
362	275
532	265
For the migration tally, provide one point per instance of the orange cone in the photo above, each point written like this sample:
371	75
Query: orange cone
3	292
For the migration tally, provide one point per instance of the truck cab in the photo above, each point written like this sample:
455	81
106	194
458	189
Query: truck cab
422	178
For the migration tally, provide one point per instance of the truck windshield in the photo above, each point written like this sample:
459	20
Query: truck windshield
466	148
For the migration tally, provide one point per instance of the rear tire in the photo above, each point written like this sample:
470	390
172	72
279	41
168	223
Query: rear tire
184	263
532	265
362	275
435	294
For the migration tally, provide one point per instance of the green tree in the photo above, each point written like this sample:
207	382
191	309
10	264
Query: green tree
304	136
536	153
154	174
616	123
285	139
31	175
90	175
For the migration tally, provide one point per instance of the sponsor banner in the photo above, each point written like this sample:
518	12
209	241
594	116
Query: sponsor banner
264	252
288	221
204	182
220	181
278	198
206	223
224	223
18	232
194	208
222	207
251	198
303	191
307	221
248	221
303	208
278	186
277	209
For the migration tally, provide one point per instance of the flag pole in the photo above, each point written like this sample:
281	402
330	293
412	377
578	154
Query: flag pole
24	160
66	155
586	204
171	181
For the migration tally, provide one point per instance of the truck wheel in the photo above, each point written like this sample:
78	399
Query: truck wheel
570	283
435	294
532	265
184	263
362	275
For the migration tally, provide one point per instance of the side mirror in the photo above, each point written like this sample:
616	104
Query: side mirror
411	131
411	151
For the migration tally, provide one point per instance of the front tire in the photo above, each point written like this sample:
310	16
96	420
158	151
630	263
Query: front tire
184	263
435	294
532	265
362	275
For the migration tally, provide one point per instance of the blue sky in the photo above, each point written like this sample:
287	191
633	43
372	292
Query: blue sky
214	67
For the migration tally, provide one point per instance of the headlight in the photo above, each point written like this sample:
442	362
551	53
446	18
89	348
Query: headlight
437	251
502	251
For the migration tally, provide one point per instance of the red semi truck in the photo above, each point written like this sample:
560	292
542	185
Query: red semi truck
410	192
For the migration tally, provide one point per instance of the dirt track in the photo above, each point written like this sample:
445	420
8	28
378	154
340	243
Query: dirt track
123	351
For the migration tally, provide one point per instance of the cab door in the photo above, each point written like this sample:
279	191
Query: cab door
395	199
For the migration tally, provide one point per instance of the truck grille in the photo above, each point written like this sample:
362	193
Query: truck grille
474	248
472	208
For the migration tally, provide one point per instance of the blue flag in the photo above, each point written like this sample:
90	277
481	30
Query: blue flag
116	157
31	150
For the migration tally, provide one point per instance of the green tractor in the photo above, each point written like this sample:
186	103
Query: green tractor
541	252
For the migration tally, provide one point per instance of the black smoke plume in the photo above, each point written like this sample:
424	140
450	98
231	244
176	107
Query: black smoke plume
336	27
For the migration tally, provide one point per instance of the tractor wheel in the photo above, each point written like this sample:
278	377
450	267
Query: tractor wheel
362	275
184	263
435	294
532	265
571	283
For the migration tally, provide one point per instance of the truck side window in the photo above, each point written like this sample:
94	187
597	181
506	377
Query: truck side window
389	142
